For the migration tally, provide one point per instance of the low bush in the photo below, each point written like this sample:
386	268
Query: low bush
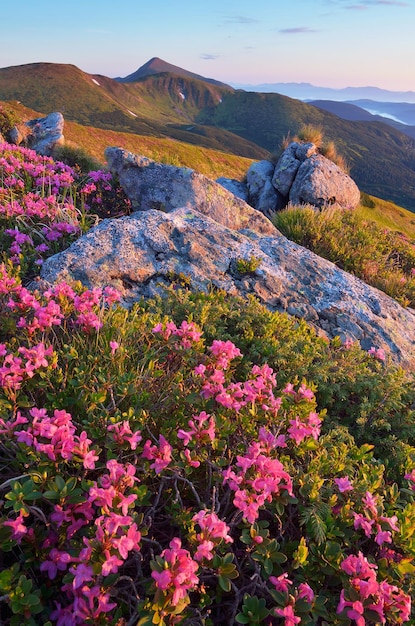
8	119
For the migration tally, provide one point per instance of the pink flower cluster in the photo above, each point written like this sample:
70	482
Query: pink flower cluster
377	353
178	572
115	537
122	434
161	454
15	370
382	598
299	429
55	436
17	164
257	391
284	585
59	229
187	332
202	430
258	477
213	531
372	523
41	312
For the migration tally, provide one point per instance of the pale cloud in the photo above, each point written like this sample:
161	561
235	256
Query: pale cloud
357	7
297	30
240	19
208	57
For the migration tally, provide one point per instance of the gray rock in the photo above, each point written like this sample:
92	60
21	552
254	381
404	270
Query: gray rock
286	170
138	253
151	185
262	194
15	136
46	133
321	182
304	151
240	190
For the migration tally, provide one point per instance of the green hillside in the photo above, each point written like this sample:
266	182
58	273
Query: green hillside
212	163
151	107
381	159
197	112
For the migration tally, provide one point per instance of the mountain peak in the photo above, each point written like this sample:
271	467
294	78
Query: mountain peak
158	66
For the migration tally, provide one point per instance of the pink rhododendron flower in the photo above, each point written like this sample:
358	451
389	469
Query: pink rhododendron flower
161	454
377	353
290	619
114	345
305	591
281	583
57	560
179	573
343	484
370	502
18	527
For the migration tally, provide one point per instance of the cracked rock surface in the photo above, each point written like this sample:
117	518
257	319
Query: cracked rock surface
140	253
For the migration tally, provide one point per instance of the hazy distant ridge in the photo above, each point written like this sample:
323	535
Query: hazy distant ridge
306	91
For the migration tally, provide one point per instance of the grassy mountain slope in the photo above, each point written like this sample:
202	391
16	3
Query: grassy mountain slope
152	107
381	159
211	163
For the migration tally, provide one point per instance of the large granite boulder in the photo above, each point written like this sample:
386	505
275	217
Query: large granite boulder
46	133
151	185
137	253
321	182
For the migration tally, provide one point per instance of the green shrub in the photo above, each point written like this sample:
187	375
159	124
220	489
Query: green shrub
248	266
76	157
8	119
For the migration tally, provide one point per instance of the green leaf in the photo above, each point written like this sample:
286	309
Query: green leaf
224	583
59	482
147	620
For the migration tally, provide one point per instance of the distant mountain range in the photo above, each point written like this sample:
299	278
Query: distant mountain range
306	91
390	113
163	100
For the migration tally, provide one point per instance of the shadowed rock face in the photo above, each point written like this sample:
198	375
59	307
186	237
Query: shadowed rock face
139	253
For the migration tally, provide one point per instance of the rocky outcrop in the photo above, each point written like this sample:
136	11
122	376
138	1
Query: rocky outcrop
140	253
151	185
288	165
301	176
45	133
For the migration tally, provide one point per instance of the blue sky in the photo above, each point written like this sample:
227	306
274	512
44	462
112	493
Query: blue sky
333	43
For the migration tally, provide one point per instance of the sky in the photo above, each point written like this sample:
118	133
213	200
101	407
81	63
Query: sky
330	43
